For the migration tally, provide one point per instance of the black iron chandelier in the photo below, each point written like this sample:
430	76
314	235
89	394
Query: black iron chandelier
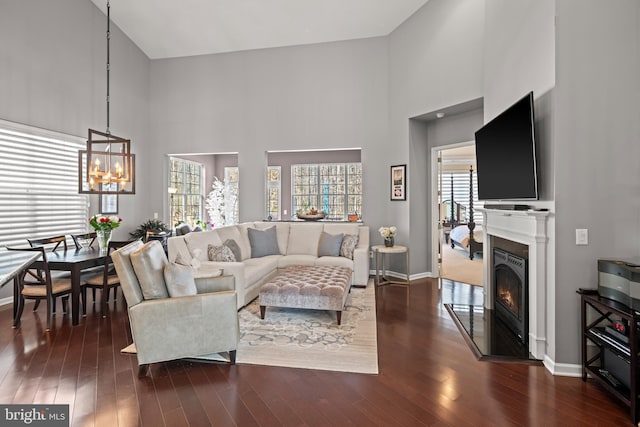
107	166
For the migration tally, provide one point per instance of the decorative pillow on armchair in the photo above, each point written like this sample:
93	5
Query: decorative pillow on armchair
148	263
180	260
220	253
179	280
349	243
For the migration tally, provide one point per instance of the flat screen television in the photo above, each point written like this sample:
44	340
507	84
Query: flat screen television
506	155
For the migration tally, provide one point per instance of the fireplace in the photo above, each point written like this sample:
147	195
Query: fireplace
528	229
510	290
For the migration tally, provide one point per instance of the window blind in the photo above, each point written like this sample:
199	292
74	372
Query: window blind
39	184
461	191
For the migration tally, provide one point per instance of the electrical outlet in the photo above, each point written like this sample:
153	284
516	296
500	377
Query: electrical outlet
155	215
582	236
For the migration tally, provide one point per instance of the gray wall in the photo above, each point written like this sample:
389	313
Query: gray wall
53	76
519	57
583	69
325	96
597	138
424	136
435	61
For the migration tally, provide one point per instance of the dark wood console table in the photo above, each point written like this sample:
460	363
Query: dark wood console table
612	359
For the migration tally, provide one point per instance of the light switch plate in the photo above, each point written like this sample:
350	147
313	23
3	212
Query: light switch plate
582	236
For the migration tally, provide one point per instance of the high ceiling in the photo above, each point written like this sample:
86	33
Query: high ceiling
172	28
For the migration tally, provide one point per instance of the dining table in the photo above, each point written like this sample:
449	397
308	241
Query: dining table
12	264
74	261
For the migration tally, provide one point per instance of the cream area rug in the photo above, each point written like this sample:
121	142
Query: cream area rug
311	339
308	339
457	266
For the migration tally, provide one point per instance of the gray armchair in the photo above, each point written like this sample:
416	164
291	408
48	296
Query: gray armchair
167	328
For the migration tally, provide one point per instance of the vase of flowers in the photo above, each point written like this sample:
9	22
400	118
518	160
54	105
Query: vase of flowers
104	225
388	234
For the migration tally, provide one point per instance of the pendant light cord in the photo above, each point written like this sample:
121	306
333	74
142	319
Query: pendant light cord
108	132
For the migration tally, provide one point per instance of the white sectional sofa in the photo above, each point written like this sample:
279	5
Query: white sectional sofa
297	244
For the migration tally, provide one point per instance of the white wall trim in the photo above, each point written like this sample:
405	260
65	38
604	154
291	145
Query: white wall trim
403	276
529	228
562	369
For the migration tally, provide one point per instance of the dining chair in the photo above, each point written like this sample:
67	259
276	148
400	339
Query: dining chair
48	241
106	279
49	289
158	235
80	239
35	277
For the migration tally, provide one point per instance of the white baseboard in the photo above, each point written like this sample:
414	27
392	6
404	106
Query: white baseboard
6	301
395	274
562	369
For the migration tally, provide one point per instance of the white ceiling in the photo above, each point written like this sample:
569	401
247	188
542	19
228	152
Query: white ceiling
175	28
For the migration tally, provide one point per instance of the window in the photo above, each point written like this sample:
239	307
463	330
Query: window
39	184
460	181
335	188
274	188
187	201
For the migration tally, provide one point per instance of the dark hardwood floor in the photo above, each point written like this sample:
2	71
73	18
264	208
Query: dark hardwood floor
428	376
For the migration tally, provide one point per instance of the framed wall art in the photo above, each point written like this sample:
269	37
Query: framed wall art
399	182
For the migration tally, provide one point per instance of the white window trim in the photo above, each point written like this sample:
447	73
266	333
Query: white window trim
183	195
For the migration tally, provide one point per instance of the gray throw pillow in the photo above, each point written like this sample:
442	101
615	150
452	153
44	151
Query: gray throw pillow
231	244
148	263
179	280
330	244
263	242
220	253
349	243
183	229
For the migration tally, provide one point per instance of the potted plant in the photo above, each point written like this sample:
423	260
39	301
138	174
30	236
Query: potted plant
150	225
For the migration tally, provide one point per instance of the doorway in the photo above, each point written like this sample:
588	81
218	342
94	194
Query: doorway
457	202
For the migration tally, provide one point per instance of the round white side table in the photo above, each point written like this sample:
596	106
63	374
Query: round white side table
381	252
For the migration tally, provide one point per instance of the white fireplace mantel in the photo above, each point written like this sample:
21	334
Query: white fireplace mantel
529	228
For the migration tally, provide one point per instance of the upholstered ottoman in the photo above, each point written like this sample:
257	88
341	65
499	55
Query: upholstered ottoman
319	287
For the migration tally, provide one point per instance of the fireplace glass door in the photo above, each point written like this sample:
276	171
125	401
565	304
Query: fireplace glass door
509	290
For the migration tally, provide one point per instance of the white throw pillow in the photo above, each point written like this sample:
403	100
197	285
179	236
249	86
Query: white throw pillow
201	241
234	232
304	239
179	280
